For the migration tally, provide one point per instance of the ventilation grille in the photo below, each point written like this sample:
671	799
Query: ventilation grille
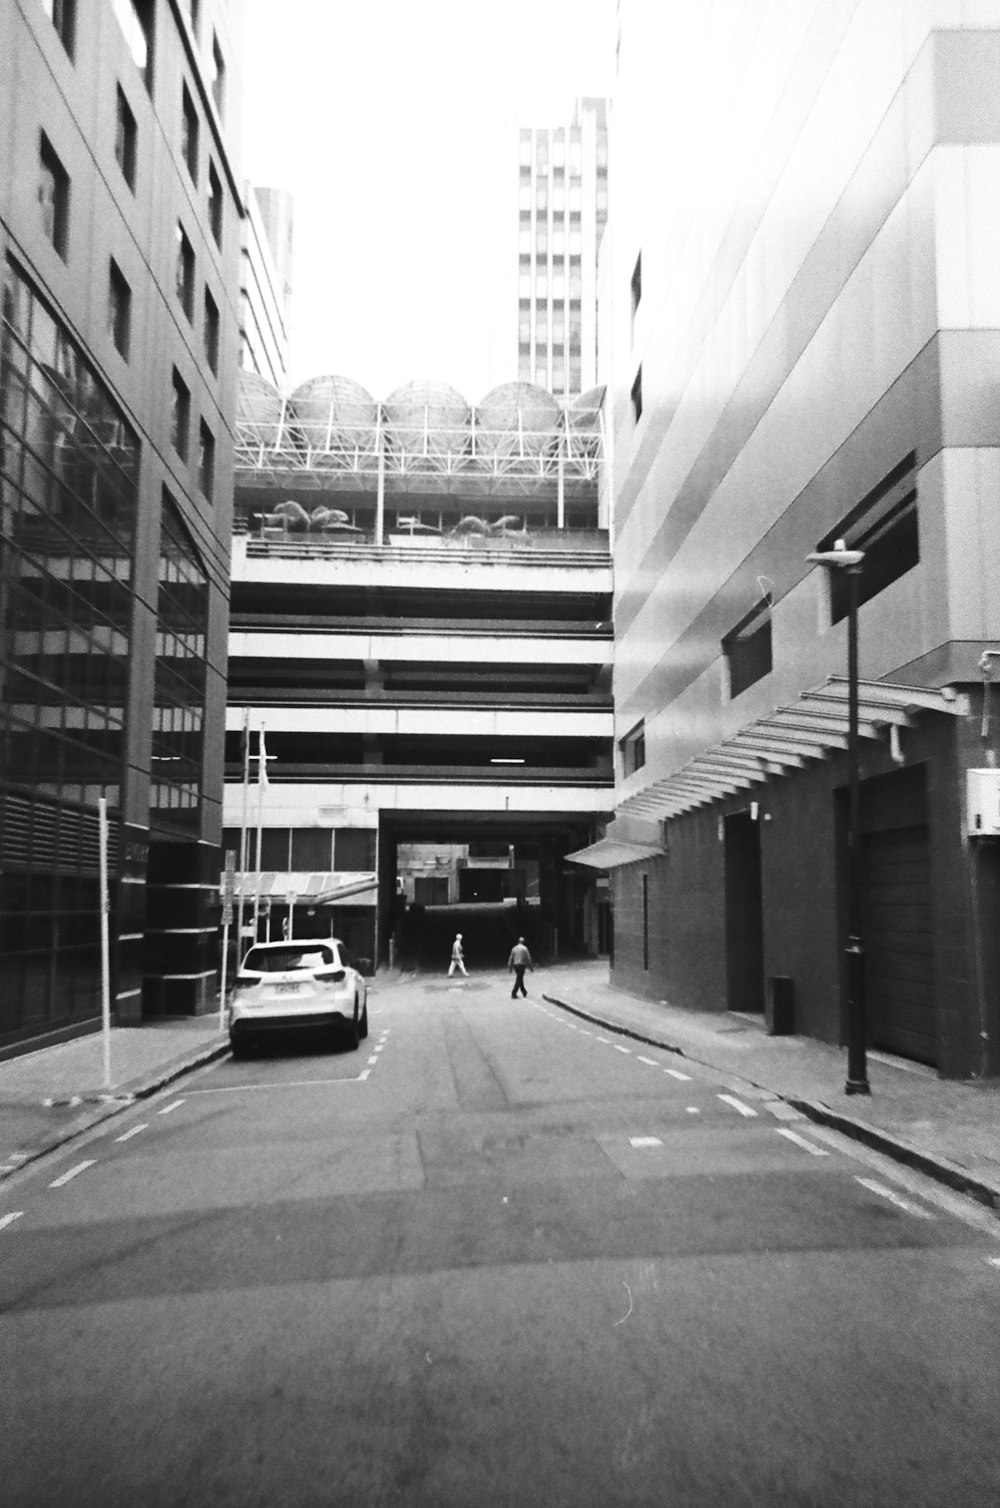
38	834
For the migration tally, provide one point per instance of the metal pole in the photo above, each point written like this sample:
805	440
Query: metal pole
857	1066
243	833
261	783
225	955
102	823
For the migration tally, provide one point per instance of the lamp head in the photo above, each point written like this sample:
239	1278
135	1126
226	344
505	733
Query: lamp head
839	557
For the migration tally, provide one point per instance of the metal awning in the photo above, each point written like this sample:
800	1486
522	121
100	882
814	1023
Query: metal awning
310	887
813	727
611	853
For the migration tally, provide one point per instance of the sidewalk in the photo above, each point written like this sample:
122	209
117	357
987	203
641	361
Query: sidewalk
948	1130
53	1094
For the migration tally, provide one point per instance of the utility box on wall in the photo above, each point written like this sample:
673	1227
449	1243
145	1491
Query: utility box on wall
983	802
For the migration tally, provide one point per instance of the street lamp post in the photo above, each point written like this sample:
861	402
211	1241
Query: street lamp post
842	559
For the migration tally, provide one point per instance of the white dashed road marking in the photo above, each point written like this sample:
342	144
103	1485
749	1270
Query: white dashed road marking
675	1073
644	1141
783	1112
894	1198
134	1132
730	1099
57	1183
651	1061
619	1048
6	1220
174	1104
800	1141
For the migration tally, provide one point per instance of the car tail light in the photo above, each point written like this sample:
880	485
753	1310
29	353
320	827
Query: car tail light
247	981
331	976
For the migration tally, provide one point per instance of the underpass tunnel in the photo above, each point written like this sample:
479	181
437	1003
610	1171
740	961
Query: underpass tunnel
492	880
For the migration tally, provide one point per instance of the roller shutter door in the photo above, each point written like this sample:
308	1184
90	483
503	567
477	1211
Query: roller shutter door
898	943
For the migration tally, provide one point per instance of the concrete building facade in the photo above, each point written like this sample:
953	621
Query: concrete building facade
562	211
120	216
421	626
805	325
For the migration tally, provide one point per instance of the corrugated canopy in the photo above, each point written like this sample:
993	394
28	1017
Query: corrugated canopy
813	727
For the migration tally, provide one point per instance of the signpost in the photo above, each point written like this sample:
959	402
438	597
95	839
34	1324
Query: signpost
228	891
102	840
291	896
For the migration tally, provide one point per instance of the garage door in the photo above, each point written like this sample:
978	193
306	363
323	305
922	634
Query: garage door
897	938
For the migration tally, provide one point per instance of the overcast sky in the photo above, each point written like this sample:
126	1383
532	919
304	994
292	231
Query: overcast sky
394	125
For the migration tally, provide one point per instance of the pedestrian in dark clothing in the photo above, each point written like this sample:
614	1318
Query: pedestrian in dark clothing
519	960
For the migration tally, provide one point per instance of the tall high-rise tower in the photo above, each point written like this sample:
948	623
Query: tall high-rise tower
563	205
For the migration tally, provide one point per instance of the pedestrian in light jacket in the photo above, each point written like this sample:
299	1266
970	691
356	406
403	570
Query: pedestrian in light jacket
457	956
519	960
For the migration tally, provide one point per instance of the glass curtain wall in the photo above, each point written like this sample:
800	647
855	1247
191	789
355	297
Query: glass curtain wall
69	467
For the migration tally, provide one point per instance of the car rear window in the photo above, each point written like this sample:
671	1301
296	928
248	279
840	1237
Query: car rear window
277	960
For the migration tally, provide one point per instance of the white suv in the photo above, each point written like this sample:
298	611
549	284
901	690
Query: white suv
311	984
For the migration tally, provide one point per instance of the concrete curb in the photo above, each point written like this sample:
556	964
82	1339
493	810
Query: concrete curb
933	1165
103	1107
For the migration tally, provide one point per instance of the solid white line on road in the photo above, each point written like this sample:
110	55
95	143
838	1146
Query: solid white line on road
651	1061
619	1048
290	1084
730	1099
6	1220
57	1183
644	1141
134	1132
800	1141
894	1198
675	1073
174	1104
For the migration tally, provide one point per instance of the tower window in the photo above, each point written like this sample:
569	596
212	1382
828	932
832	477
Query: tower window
53	196
119	309
636	396
748	648
125	139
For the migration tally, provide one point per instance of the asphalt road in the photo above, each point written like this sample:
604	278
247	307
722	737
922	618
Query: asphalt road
496	1256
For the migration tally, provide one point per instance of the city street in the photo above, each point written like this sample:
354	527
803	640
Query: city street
495	1256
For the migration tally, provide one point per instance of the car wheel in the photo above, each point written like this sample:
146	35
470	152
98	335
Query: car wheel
351	1030
363	1024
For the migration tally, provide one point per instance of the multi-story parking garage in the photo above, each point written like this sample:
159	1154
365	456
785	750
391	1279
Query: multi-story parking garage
421	625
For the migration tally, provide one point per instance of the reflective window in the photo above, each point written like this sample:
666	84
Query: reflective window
215	204
53	196
180	415
179	683
62	14
189	132
185	272
210	332
135	17
125	139
119	309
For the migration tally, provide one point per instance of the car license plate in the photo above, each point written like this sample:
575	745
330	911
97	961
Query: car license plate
287	989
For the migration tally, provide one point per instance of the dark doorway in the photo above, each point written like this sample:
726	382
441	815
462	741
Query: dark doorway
744	915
